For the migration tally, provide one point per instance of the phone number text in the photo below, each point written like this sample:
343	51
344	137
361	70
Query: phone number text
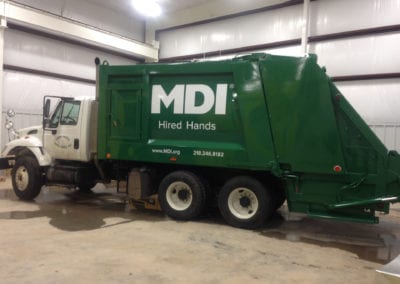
203	153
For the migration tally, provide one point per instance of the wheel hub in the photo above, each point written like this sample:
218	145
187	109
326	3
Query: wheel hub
179	195
22	178
183	194
244	201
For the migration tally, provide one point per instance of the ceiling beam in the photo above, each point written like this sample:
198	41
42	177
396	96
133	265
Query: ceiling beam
54	24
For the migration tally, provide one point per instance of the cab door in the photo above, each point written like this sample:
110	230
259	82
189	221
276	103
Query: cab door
62	131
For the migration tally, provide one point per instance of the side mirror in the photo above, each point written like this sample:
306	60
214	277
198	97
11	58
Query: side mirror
46	122
46	108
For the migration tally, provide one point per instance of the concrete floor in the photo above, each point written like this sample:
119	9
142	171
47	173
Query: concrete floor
70	237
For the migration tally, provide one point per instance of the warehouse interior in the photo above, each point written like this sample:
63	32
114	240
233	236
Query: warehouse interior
48	47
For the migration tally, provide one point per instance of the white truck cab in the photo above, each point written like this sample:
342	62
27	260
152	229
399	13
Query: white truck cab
70	132
60	151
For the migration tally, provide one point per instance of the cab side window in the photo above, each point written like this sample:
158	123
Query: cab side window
53	123
70	113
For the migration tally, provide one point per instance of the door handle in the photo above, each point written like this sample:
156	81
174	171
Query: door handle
76	143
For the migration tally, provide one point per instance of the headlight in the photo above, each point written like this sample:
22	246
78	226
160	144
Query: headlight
9	124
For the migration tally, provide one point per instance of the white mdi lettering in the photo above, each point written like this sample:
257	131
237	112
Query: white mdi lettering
183	99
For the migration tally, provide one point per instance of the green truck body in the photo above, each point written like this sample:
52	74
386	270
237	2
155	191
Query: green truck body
276	117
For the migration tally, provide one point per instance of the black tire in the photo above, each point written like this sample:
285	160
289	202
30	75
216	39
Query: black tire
245	203
27	179
182	195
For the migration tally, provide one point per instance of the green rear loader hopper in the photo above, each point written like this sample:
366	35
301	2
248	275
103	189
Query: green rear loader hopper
244	126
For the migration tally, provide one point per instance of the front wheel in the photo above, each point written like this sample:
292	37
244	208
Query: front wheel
244	202
26	177
182	195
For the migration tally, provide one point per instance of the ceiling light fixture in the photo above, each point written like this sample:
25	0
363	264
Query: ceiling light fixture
149	8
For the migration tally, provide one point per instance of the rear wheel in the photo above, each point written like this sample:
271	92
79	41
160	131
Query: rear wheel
27	177
245	203
182	195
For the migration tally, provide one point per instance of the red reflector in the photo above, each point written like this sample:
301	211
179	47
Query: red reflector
173	159
337	168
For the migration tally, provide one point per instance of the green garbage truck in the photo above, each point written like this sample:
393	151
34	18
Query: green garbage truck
244	134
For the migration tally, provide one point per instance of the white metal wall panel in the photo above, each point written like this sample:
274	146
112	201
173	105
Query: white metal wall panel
332	16
377	101
24	93
52	6
92	14
36	52
326	17
260	28
389	134
360	55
